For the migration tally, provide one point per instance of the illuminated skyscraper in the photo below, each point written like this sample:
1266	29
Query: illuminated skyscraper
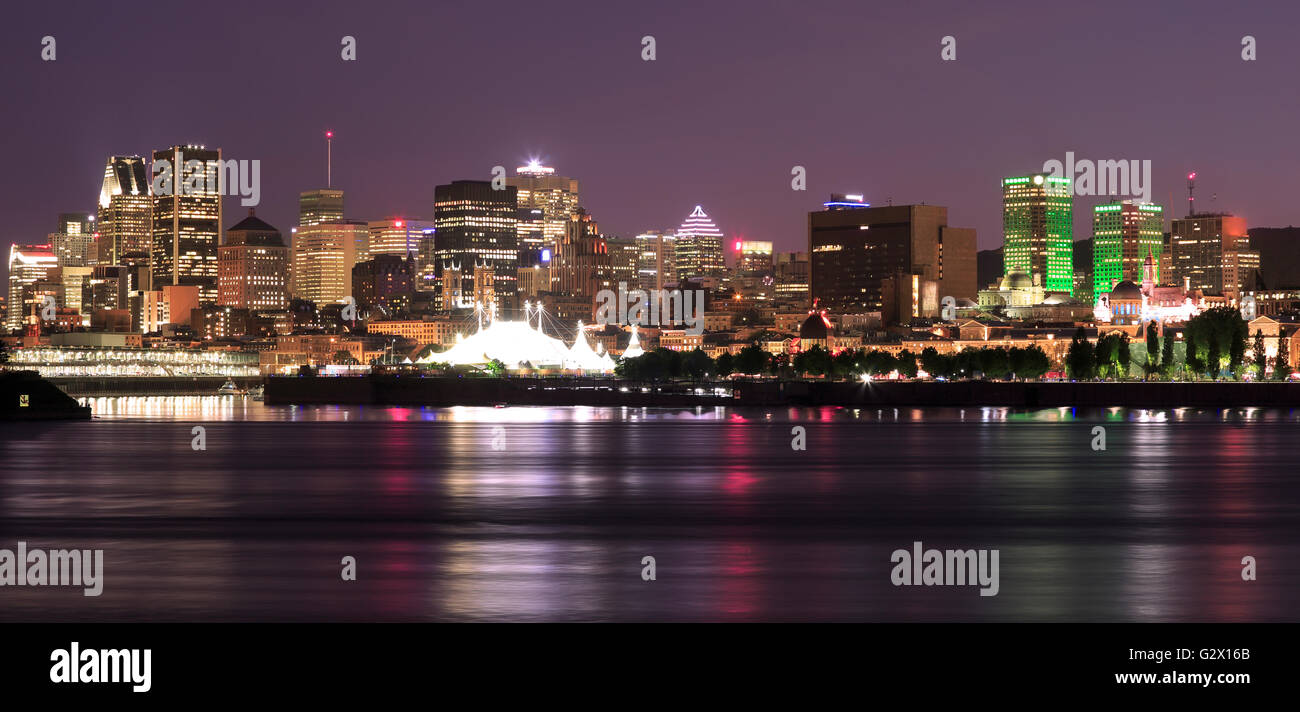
397	236
187	221
1123	234
253	267
581	266
1037	228
753	257
29	266
324	205
656	259
854	248
475	228
323	258
125	211
1211	252
698	247
538	187
73	239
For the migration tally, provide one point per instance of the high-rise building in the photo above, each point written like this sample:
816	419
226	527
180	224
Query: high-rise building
475	227
323	258
656	255
581	267
72	240
753	257
623	256
1211	252
384	284
792	277
698	247
29	266
1123	234
187	221
853	248
1038	229
538	187
253	267
397	236
124	223
324	205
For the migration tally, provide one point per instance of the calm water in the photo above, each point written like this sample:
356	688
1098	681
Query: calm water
554	525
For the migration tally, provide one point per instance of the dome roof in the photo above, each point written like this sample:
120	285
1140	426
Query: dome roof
1017	280
814	327
1055	299
1126	290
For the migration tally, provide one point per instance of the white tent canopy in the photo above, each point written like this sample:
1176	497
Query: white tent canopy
518	344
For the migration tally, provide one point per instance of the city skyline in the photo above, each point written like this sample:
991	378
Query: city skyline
740	172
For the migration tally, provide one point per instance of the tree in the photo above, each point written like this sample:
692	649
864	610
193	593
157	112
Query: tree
1079	359
1125	357
906	364
815	361
697	364
724	366
1261	356
752	360
1029	362
344	357
934	363
845	363
1167	355
1282	362
1213	333
1214	360
879	363
1153	350
994	363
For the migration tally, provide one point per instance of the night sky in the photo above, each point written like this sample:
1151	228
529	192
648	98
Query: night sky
739	94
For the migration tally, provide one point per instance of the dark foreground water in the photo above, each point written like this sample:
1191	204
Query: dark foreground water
546	513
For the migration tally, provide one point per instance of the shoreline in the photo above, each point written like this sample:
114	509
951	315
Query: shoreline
450	391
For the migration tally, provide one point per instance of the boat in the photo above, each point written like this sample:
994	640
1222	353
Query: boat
230	389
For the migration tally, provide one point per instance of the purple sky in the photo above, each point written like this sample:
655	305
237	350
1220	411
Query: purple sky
741	92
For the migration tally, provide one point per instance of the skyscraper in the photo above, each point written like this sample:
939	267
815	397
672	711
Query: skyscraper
854	247
581	267
324	205
1211	252
753	257
323	258
1123	234
699	247
656	255
537	187
125	211
253	267
475	228
73	239
1037	227
400	237
29	266
187	220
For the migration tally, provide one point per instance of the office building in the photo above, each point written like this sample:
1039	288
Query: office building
698	247
124	218
475	228
1037	228
253	267
1124	233
187	220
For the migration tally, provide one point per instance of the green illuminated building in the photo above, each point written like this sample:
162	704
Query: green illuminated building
1123	233
1037	229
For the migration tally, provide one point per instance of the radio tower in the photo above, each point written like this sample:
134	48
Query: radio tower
329	159
1191	199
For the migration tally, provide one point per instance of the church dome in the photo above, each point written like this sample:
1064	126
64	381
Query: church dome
815	327
1126	290
1017	280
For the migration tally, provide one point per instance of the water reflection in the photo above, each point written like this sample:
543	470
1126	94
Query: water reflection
553	525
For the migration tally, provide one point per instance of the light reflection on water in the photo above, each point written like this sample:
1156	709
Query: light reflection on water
554	525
